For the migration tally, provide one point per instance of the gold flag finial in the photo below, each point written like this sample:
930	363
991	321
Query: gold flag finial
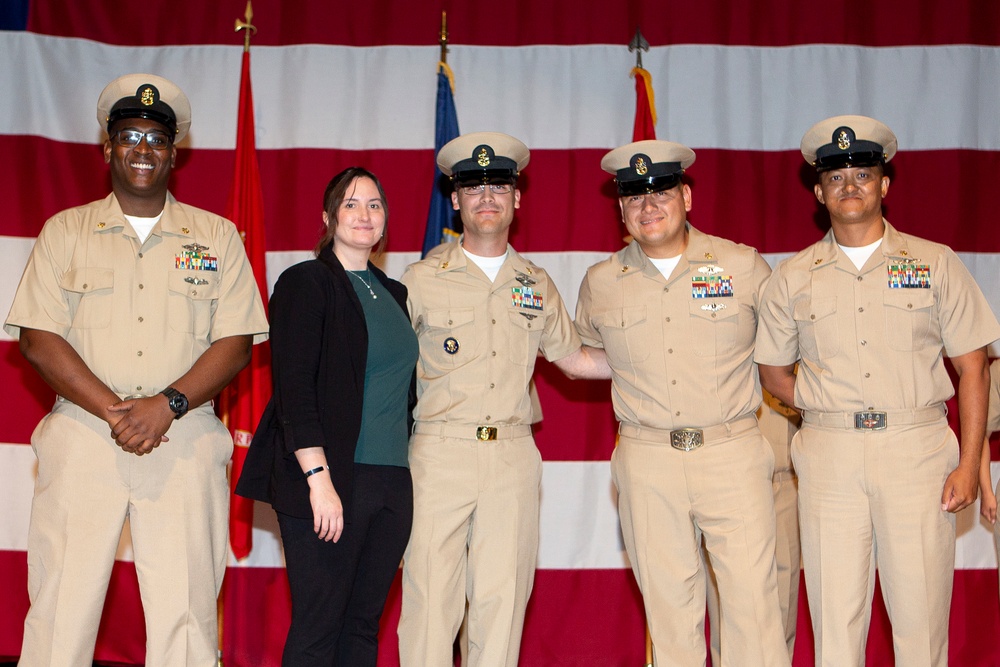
443	37
638	44
246	26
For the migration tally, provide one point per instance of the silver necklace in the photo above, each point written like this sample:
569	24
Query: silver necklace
365	282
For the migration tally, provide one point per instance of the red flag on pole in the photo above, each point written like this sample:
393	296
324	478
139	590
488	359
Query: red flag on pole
645	106
244	400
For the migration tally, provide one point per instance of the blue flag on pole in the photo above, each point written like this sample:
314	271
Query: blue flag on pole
440	215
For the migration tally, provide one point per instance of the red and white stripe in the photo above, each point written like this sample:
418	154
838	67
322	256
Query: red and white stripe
355	85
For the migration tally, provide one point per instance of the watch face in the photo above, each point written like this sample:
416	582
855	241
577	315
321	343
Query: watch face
179	404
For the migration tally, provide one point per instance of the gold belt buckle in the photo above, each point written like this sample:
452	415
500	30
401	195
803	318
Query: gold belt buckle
485	433
870	420
686	439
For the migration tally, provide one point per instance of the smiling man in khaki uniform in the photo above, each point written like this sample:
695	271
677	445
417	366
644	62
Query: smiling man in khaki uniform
869	313
676	313
482	314
136	310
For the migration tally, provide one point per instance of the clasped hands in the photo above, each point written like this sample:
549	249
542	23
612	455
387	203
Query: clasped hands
142	423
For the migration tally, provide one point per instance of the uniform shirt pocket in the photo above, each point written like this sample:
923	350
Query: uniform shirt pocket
623	333
449	341
713	332
525	336
819	330
90	293
191	299
908	314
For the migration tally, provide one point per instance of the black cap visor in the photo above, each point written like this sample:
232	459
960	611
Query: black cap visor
647	186
848	160
483	176
163	117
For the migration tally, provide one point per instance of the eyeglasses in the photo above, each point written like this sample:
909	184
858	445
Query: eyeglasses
158	141
495	188
659	197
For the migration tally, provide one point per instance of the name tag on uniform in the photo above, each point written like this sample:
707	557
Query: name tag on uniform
526	297
711	286
909	276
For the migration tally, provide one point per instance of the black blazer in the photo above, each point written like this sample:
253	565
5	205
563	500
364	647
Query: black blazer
319	348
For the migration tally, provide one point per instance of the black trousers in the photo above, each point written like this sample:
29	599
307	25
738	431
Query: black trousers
339	589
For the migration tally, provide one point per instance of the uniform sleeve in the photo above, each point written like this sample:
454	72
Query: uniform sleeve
993	420
967	321
777	335
239	310
761	273
560	338
584	326
410	281
39	302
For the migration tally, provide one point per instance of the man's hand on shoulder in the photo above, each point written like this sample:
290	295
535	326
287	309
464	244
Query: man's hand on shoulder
143	425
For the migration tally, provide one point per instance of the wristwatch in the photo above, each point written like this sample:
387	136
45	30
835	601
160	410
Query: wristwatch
177	401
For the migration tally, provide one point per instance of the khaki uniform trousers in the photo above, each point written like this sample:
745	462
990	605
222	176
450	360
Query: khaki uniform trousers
668	501
868	497
778	430
177	502
475	538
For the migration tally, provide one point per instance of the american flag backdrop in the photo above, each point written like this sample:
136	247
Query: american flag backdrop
339	83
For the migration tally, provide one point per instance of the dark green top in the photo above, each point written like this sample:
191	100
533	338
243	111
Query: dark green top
392	355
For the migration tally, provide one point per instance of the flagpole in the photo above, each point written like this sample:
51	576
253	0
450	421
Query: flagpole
248	29
638	45
443	37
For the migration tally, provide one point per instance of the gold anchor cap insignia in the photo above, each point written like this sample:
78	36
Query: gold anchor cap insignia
640	166
148	96
843	140
483	157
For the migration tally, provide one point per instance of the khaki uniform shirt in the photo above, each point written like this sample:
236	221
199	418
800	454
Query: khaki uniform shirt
993	422
138	315
680	349
479	340
865	341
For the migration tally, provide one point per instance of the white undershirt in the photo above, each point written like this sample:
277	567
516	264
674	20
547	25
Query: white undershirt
489	265
666	266
143	226
860	255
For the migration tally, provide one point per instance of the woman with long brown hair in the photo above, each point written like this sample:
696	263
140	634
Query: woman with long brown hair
330	453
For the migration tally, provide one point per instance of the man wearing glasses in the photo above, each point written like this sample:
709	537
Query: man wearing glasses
136	310
482	314
676	312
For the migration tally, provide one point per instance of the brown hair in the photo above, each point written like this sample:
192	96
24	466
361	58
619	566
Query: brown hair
336	193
